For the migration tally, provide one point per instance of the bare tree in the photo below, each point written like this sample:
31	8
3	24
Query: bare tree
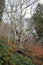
15	11
2	6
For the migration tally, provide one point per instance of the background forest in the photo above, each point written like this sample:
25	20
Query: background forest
21	32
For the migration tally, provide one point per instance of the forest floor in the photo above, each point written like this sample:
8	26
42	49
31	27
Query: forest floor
9	56
12	56
35	52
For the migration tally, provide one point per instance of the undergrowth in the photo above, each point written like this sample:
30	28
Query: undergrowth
10	57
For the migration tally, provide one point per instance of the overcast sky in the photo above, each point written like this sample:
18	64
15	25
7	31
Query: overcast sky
41	1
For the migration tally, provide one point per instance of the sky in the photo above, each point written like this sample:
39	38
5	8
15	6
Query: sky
41	1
